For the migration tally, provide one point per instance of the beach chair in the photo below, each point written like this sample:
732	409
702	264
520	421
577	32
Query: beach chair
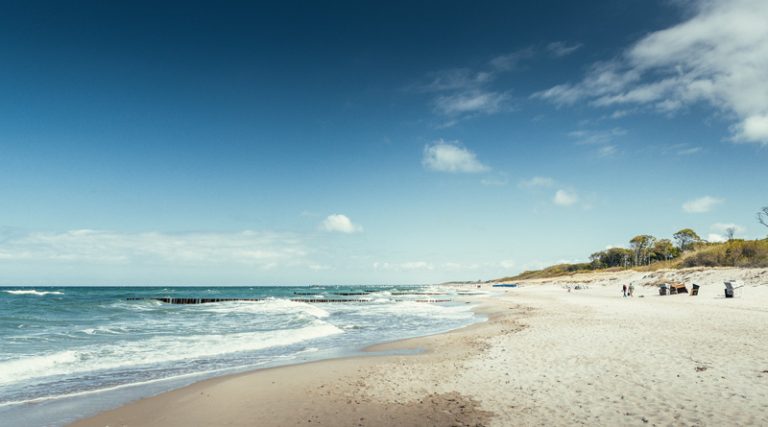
678	288
695	290
730	289
663	289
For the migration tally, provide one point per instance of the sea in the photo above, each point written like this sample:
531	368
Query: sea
70	352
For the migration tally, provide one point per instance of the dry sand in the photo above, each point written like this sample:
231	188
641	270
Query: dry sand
546	357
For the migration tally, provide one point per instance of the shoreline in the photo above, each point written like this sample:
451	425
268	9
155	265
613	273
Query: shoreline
545	356
133	413
63	405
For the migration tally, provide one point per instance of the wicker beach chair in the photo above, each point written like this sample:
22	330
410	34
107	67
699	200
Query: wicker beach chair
695	290
678	288
730	289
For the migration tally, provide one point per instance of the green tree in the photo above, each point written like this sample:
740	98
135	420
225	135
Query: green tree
618	257
686	238
664	250
597	260
613	257
640	246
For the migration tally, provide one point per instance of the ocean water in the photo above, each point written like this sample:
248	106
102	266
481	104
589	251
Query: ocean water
68	352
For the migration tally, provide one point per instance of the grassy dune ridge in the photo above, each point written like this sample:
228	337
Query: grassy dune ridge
733	253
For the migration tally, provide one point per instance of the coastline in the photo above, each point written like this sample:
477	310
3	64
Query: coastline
545	356
321	387
145	367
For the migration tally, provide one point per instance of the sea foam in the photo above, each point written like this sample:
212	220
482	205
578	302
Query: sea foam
153	351
95	339
33	292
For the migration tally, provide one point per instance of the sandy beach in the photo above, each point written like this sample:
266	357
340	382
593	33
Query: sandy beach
305	213
546	356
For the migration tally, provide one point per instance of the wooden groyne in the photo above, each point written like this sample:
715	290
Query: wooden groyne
416	293
304	300
344	294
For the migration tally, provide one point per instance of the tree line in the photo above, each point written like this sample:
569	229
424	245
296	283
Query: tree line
645	249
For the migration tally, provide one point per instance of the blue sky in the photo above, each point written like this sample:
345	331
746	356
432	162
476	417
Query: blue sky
348	142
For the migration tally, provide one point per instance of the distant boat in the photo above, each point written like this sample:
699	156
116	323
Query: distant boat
505	285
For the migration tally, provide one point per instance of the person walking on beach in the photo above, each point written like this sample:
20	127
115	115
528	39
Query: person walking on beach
624	289
631	290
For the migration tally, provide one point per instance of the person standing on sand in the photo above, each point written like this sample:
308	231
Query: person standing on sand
624	289
631	290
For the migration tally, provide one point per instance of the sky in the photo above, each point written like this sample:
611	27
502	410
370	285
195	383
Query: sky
247	143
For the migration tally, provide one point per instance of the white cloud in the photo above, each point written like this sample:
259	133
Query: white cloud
569	261
565	198
537	182
417	265
701	205
560	48
470	102
426	266
561	95
512	60
462	93
597	137
499	180
716	238
614	246
259	249
753	128
445	156
339	223
458	266
682	149
408	265
607	151
722	228
689	151
601	138
456	79
686	150
718	56
507	263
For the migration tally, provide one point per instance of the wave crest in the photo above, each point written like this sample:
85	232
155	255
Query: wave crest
33	292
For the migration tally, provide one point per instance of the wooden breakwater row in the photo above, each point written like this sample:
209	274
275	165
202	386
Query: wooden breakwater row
344	294
348	294
304	300
416	293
